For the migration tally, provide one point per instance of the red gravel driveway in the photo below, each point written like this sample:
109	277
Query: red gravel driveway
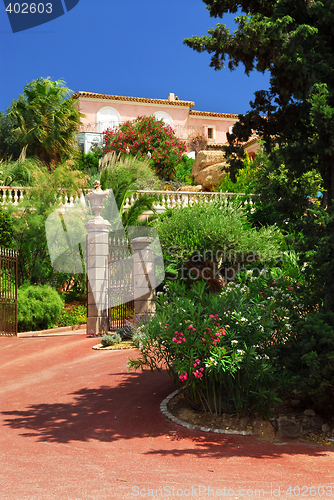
74	425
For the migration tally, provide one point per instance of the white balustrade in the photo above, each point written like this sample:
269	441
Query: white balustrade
179	199
14	195
165	199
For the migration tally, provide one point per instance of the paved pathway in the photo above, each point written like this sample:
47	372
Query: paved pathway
74	425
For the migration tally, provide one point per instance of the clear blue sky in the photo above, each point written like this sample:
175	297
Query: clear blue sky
128	47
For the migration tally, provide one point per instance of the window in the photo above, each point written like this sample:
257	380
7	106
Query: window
210	133
107	118
161	115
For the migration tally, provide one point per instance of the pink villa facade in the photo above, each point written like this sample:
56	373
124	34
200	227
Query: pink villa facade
106	111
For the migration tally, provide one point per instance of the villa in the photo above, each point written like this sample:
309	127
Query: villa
107	111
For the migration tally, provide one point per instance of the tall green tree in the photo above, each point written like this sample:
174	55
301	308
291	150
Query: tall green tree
294	41
9	148
46	120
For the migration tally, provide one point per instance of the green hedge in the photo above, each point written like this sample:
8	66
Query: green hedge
39	307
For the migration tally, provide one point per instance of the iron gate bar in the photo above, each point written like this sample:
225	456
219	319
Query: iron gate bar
8	292
121	303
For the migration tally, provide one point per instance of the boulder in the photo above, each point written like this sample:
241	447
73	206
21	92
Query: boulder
206	159
210	176
288	427
317	422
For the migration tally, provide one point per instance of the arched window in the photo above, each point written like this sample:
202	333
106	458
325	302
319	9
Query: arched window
107	118
161	115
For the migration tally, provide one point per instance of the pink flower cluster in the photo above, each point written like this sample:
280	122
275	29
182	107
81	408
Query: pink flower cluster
146	134
179	337
191	328
199	373
183	377
215	337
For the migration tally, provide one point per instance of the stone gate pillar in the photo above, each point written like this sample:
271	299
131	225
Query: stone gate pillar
97	264
144	277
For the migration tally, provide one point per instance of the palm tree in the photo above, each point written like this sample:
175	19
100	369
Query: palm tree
122	189
46	120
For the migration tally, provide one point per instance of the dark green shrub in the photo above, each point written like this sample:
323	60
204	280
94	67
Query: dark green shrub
6	230
126	332
109	340
39	307
183	171
207	239
315	243
245	179
308	359
89	162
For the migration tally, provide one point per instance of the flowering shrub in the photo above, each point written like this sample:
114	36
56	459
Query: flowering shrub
223	347
145	135
76	316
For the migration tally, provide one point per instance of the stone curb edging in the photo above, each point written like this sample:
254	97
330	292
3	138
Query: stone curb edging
99	347
65	330
169	416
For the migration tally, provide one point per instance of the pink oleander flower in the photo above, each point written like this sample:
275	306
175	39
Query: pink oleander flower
179	337
198	374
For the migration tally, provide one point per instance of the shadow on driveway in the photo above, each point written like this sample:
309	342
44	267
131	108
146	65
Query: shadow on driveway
130	410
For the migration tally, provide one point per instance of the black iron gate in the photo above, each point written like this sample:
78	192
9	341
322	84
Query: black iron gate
8	292
120	272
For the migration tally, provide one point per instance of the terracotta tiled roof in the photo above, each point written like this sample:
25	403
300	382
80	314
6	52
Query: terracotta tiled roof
144	100
251	142
215	115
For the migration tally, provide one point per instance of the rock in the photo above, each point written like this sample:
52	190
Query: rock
191	189
210	176
206	159
317	422
309	413
306	423
325	428
288	427
295	402
264	430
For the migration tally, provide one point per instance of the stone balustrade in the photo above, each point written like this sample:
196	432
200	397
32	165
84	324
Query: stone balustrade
15	195
165	199
12	194
173	199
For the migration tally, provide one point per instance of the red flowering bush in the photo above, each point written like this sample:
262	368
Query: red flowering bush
145	135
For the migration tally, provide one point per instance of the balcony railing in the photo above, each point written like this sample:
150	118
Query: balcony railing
181	132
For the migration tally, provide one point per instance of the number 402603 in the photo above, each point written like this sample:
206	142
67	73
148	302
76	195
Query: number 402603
33	8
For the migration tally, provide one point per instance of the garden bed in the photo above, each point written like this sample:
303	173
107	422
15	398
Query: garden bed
309	423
